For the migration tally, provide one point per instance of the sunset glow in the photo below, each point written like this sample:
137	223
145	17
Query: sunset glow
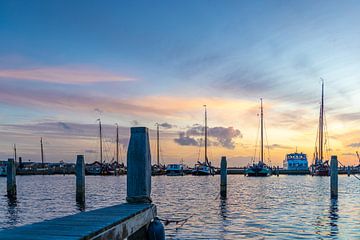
140	67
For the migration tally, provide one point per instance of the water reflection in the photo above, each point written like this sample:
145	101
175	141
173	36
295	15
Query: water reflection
288	207
333	217
12	210
80	205
223	208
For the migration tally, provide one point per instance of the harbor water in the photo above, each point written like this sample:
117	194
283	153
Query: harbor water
285	207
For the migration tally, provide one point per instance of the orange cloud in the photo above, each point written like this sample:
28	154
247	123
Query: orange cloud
68	75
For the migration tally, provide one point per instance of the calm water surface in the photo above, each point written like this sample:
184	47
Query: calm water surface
284	207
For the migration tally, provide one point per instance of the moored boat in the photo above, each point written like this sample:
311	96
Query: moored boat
320	167
204	168
176	169
259	169
296	162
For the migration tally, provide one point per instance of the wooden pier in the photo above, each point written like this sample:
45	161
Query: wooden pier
115	222
131	220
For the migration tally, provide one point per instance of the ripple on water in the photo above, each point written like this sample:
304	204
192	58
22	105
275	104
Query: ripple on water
282	207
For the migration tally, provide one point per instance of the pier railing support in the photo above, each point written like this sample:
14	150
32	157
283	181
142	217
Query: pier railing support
139	166
11	178
80	179
334	177
223	178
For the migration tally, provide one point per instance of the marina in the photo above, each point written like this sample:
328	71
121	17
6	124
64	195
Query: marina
154	120
244	215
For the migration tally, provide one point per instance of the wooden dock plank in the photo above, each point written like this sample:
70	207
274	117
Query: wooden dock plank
87	225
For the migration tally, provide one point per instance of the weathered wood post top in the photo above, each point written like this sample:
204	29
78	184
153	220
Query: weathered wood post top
139	166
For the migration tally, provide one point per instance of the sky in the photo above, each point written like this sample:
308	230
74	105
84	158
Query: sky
64	64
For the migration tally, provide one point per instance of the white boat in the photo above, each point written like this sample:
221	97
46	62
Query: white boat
296	161
176	169
203	169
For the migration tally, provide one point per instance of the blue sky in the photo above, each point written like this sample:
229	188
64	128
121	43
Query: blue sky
160	61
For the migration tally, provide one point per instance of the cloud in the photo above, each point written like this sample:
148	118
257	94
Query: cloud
218	136
63	75
348	154
166	125
354	145
135	123
62	129
348	117
91	151
64	125
98	110
225	136
184	140
279	146
54	99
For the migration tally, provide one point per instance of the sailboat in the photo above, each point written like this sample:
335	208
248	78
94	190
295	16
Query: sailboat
116	167
97	168
204	168
259	169
320	167
157	169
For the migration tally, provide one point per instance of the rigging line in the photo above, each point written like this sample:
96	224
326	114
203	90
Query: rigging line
316	142
267	142
327	140
350	172
257	138
199	150
120	153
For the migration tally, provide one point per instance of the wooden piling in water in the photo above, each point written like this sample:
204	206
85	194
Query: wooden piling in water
11	178
348	171
334	177
223	177
80	178
139	166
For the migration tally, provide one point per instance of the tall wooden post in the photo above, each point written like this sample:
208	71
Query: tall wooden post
334	177
223	177
11	178
139	166
80	179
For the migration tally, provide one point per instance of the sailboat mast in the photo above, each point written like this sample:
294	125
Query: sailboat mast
206	143
117	144
15	152
321	124
101	150
157	144
262	131
42	152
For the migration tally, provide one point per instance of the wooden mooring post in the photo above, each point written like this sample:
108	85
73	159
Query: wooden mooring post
11	178
223	178
139	167
334	177
132	220
80	179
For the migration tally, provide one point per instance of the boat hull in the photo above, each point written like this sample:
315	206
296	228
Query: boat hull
175	173
257	172
200	173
